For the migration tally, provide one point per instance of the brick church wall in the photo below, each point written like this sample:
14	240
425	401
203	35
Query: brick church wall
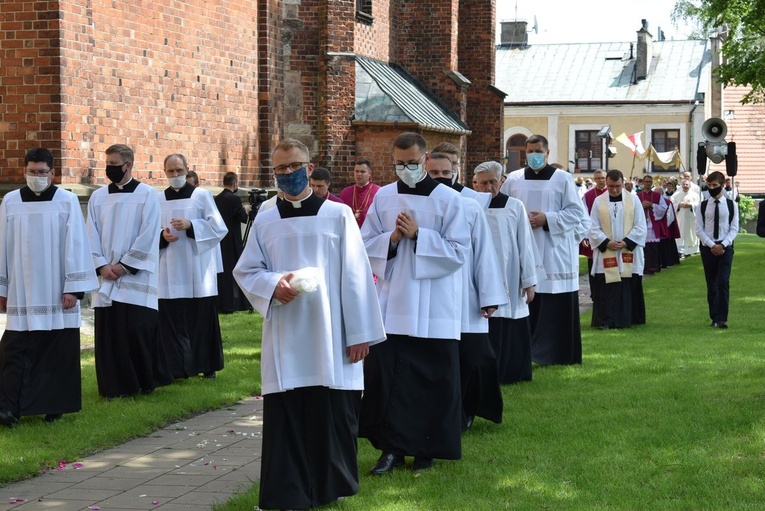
162	76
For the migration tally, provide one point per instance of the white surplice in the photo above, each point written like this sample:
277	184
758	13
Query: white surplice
518	255
480	284
188	267
125	227
616	216
44	254
420	288
567	223
686	220
305	340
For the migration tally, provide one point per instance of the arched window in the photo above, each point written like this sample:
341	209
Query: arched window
516	152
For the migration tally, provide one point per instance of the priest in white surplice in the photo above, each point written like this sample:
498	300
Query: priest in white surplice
520	266
685	201
304	268
417	239
617	234
189	263
558	219
42	279
483	294
123	229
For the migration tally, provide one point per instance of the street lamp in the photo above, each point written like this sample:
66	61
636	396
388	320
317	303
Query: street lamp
606	134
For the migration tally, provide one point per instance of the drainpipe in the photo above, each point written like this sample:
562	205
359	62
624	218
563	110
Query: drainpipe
692	146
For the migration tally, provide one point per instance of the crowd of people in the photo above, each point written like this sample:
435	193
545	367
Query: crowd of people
390	313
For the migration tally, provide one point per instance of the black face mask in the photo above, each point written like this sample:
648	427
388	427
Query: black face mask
115	173
714	192
445	181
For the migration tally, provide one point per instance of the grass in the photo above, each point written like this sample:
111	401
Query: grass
665	416
34	445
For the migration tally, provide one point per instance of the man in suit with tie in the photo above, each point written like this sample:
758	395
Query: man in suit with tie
717	226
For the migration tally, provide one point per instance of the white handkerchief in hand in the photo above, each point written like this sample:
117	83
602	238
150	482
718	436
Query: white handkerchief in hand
304	280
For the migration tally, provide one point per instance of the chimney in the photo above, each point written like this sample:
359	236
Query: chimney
644	52
514	34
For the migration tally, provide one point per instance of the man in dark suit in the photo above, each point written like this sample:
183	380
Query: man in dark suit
234	213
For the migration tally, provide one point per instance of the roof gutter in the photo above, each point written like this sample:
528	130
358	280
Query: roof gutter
410	126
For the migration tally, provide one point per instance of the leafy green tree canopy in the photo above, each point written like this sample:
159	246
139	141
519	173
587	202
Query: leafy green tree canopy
742	23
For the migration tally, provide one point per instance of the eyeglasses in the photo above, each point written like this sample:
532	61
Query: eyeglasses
38	173
294	167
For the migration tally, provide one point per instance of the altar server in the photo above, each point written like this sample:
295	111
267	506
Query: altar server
559	222
189	261
123	229
304	268
417	239
45	269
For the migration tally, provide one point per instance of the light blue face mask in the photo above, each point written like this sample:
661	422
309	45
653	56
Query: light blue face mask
293	183
535	160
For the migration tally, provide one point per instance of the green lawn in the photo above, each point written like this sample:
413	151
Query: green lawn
35	445
666	416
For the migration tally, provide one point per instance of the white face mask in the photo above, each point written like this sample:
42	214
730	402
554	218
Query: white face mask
177	182
408	176
37	184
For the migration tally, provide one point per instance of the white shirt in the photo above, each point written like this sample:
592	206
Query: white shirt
705	225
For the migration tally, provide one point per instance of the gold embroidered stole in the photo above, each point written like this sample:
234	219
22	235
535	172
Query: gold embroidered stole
610	263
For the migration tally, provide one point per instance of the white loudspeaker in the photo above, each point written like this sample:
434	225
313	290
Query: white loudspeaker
714	129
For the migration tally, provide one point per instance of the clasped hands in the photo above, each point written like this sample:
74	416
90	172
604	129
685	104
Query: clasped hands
616	245
112	271
537	219
405	227
67	302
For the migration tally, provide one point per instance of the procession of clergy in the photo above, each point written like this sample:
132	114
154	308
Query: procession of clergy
443	292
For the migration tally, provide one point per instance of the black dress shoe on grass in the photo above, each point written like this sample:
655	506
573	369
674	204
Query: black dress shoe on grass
210	376
52	417
386	463
8	419
713	325
422	464
722	324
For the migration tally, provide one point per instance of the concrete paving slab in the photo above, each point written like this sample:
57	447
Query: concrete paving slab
89	494
199	498
109	483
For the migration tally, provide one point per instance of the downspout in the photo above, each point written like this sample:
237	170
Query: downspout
692	145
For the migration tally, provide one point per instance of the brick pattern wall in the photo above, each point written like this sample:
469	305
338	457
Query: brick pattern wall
426	45
484	109
375	143
747	129
374	40
162	76
271	84
30	91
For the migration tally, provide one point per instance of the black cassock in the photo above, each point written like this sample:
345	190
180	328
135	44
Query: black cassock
230	297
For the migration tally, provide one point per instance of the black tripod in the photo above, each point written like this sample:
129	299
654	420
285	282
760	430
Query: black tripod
257	197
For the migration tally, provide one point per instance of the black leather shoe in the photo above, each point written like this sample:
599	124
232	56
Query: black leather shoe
466	425
386	463
422	464
604	327
722	324
8	419
210	376
52	417
713	325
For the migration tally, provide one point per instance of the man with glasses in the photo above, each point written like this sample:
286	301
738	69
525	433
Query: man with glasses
189	261
417	239
304	269
42	280
123	229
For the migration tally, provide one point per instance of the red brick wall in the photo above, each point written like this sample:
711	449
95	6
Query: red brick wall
162	76
30	92
375	143
271	80
374	40
484	107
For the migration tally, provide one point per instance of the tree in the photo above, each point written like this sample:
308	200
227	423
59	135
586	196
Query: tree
742	27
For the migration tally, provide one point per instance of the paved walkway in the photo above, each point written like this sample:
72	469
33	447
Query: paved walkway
186	466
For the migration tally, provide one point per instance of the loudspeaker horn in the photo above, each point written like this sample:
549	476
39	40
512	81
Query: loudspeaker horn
714	129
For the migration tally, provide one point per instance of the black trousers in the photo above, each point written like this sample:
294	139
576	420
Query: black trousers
717	273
